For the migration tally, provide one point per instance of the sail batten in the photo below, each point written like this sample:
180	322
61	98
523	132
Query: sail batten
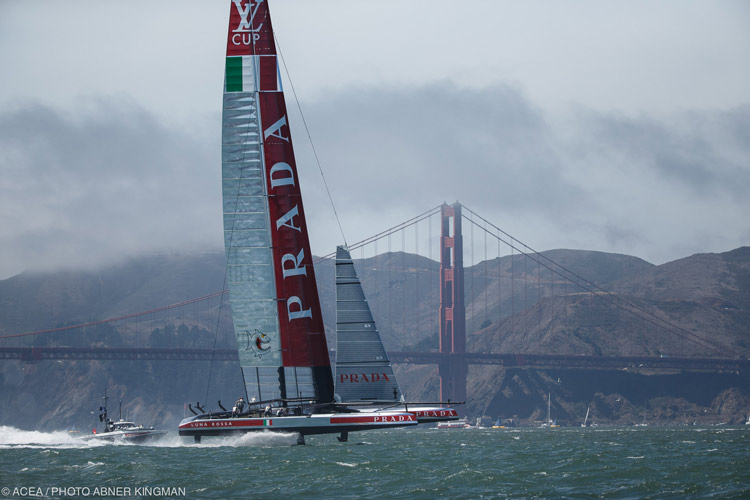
363	370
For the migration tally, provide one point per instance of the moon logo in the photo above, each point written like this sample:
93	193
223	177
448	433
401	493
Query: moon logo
259	343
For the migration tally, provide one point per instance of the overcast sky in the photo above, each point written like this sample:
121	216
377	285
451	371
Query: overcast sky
616	126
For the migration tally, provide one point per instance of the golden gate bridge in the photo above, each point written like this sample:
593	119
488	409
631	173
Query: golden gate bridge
422	293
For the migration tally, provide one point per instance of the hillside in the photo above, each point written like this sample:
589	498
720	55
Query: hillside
697	306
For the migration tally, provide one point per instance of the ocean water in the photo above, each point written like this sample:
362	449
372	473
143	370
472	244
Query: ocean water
422	463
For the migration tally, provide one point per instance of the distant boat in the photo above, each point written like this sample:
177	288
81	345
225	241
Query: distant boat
122	430
552	424
461	423
586	419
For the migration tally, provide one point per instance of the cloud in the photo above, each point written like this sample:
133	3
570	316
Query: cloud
102	185
110	180
703	153
656	187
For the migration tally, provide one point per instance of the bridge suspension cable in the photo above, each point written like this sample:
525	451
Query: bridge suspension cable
118	318
615	300
386	233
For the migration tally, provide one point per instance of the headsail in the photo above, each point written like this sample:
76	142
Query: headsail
273	295
363	370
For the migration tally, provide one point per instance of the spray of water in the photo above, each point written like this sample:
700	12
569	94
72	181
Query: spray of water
11	437
250	439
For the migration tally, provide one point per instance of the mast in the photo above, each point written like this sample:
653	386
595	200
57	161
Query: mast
273	294
549	407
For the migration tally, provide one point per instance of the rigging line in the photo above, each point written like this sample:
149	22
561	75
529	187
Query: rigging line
112	320
309	138
615	299
602	290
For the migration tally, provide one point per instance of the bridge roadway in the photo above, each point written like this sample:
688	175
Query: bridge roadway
538	361
567	362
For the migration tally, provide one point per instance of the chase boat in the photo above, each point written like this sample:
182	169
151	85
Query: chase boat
122	430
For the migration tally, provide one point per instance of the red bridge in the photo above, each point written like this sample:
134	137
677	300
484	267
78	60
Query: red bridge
451	358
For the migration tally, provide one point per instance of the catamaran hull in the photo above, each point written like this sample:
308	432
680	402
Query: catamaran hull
433	415
303	425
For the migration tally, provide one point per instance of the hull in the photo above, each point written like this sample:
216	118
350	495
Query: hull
459	424
325	423
424	415
134	436
433	415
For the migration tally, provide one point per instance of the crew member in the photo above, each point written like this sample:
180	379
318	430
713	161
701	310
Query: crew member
239	405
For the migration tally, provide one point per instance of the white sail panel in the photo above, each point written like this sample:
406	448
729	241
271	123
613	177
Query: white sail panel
250	273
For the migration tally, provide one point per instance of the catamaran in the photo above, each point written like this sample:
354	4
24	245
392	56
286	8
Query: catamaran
364	374
552	424
273	293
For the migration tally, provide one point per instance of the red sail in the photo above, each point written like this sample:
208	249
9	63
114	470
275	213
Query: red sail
300	321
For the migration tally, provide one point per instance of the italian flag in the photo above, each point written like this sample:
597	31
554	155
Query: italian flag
251	73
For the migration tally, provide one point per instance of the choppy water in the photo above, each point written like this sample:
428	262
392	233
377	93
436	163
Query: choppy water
404	463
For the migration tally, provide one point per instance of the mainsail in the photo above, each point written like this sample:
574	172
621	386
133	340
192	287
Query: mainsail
363	370
273	294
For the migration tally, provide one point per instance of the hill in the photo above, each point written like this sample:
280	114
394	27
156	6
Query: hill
696	306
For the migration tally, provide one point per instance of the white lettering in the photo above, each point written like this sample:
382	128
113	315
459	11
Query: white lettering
245	23
297	267
298	313
244	38
286	220
275	130
283	180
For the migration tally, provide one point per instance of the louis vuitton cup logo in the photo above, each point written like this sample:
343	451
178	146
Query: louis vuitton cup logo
244	29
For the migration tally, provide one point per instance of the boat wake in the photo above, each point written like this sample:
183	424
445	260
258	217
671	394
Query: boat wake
250	439
11	437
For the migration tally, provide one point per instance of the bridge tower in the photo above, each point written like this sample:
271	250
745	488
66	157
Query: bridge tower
452	370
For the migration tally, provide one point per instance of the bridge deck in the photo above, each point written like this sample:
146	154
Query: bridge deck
539	361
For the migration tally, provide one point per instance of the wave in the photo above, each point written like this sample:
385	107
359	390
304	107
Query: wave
11	437
250	439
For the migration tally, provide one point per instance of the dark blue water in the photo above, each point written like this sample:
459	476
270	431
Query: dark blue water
651	462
